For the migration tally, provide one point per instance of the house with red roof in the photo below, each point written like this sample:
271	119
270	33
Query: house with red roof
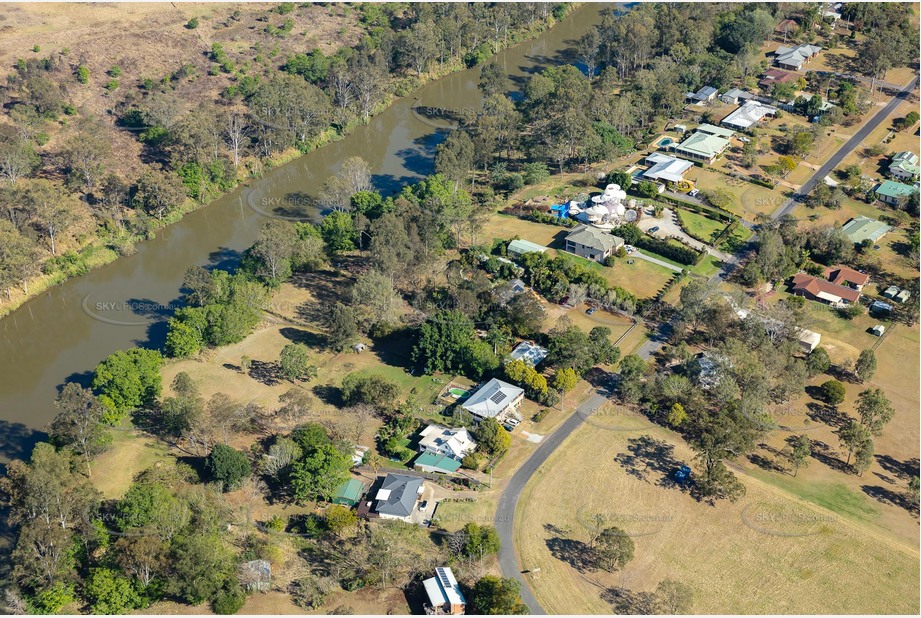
846	276
823	291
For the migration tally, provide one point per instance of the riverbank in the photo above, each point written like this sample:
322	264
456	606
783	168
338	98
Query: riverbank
101	250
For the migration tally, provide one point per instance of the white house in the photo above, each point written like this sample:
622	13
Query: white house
664	167
750	113
494	399
450	442
530	353
793	58
444	593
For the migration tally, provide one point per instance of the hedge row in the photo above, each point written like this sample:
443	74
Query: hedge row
680	254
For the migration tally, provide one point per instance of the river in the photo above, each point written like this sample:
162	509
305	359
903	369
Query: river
62	334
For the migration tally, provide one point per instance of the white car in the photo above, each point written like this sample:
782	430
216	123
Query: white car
629	248
744	139
693	192
514	422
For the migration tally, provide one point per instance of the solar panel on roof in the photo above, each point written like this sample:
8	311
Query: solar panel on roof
497	397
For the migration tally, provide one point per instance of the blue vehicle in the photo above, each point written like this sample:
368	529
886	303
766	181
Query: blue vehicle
682	474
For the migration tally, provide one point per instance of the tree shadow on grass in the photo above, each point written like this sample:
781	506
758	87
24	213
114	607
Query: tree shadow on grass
306	337
265	373
328	394
824	454
902	469
646	456
829	415
628	602
887	496
576	554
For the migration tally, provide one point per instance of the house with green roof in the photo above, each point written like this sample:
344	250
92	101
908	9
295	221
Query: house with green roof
892	192
349	493
433	462
519	247
904	165
863	228
706	143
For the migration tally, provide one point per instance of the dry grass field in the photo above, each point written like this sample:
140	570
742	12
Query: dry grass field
769	553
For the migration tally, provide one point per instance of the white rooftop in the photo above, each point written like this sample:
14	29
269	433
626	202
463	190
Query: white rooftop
665	167
443	589
748	114
531	353
492	399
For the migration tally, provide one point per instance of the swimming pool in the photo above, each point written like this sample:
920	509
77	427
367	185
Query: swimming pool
666	141
457	393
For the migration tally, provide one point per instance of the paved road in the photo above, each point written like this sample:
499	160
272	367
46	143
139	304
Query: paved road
851	144
505	513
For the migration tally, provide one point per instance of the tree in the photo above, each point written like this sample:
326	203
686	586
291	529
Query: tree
677	416
443	340
833	391
227	466
86	153
477	541
201	566
294	362
491	437
376	390
565	380
338	231
614	549
126	380
853	436
317	475
110	592
800	453
19	258
454	157
817	362
863	456
498	595
143	556
159	193
874	410
865	366
672	598
341	327
52	209
79	423
338	518
274	248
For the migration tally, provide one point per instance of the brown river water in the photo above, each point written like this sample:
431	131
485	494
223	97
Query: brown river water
62	334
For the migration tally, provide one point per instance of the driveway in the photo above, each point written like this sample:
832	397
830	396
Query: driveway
642	256
668	226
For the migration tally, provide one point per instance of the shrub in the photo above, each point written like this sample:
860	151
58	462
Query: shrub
83	74
227	466
192	24
540	415
833	392
229	600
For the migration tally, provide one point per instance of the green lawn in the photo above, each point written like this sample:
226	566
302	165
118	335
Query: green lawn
700	227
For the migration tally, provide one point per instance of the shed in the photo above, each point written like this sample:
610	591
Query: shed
891	291
902	296
879	306
359	348
809	340
878	330
519	247
433	462
349	493
256	575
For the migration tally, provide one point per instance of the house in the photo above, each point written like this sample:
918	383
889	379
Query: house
664	167
749	114
349	493
397	497
519	247
591	242
704	95
444	594
863	228
450	442
705	144
878	330
785	27
892	192
505	292
809	340
494	399
843	275
255	575
891	291
824	291
734	96
775	76
530	353
708	369
904	165
793	58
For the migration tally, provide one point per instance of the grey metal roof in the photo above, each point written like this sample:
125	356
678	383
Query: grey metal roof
403	492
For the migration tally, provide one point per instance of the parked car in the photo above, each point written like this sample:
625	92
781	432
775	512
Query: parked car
514	422
423	505
744	139
654	229
591	310
629	248
694	192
